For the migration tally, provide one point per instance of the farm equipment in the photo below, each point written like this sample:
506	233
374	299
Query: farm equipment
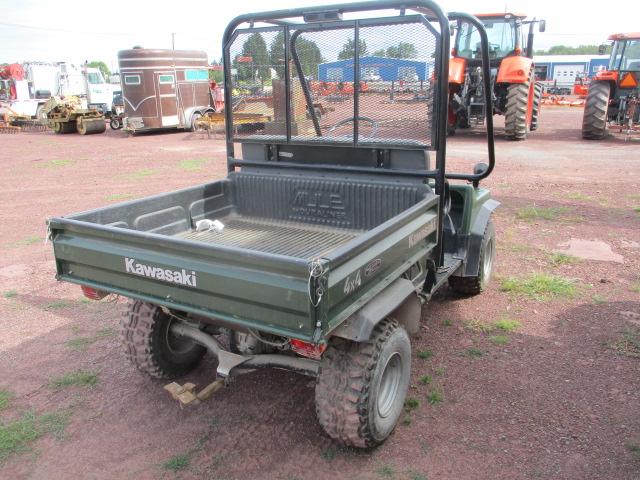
317	251
614	92
13	122
67	116
515	94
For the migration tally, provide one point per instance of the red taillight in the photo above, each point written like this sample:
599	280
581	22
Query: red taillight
307	349
92	293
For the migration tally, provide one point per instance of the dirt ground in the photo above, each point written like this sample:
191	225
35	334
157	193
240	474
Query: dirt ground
551	392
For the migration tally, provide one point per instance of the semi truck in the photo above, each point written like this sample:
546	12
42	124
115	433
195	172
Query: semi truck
27	87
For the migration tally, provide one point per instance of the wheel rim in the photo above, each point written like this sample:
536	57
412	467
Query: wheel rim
488	260
176	345
389	385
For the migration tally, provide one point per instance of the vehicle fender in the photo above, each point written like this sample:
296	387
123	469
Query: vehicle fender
472	262
188	113
606	76
515	70
457	67
398	300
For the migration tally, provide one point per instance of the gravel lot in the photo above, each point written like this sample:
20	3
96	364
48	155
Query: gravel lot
518	384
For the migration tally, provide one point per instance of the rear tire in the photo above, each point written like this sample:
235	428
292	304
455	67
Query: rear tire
151	347
537	104
594	121
515	117
476	284
361	387
115	124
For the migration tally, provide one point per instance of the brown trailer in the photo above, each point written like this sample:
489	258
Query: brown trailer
163	89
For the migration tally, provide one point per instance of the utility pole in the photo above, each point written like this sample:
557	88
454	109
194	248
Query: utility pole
173	41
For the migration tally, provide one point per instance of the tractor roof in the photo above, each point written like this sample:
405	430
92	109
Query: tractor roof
625	36
501	15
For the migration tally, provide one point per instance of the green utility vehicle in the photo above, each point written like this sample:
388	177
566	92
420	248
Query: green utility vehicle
317	251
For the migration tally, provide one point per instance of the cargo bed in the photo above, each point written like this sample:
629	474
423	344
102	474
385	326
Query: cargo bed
256	271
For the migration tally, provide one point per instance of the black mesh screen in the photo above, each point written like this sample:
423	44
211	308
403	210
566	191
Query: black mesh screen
392	104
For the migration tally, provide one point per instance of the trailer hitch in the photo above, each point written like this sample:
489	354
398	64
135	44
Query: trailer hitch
227	361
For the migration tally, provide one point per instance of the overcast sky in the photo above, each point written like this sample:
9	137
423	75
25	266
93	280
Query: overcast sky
75	31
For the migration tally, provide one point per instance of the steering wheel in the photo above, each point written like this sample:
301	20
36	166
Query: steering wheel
374	124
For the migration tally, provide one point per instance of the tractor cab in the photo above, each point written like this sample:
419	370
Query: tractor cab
503	32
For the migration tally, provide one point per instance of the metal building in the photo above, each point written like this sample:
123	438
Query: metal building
163	88
562	70
375	69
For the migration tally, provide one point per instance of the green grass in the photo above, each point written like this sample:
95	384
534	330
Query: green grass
32	240
82	343
118	196
479	326
533	213
629	343
474	352
140	174
330	452
634	448
425	354
5	398
417	476
635	287
499	339
57	304
57	163
411	404
447	323
177	462
598	299
507	324
556	259
193	164
435	397
540	286
425	379
16	436
440	371
386	471
9	294
78	378
406	420
578	196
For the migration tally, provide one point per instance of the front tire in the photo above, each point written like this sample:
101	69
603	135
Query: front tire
361	387
476	284
115	124
151	347
594	121
517	112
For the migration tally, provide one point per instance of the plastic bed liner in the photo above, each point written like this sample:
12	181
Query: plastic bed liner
280	237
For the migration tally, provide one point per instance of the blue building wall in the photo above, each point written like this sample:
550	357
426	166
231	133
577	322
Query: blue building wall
389	69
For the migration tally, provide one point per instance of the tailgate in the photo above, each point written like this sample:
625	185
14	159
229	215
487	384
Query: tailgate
244	288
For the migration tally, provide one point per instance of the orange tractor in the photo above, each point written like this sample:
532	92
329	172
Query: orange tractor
614	93
516	95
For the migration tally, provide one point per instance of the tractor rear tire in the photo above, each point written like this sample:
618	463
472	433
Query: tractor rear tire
475	285
537	103
594	121
150	346
515	116
361	387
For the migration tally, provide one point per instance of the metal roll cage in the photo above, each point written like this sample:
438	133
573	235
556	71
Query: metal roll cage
424	7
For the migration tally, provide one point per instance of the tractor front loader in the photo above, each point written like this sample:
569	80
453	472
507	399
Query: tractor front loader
515	94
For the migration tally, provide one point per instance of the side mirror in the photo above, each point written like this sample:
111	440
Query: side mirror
479	168
542	26
452	29
602	49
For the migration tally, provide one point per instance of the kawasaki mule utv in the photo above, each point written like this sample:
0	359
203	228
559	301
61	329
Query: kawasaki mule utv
317	250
